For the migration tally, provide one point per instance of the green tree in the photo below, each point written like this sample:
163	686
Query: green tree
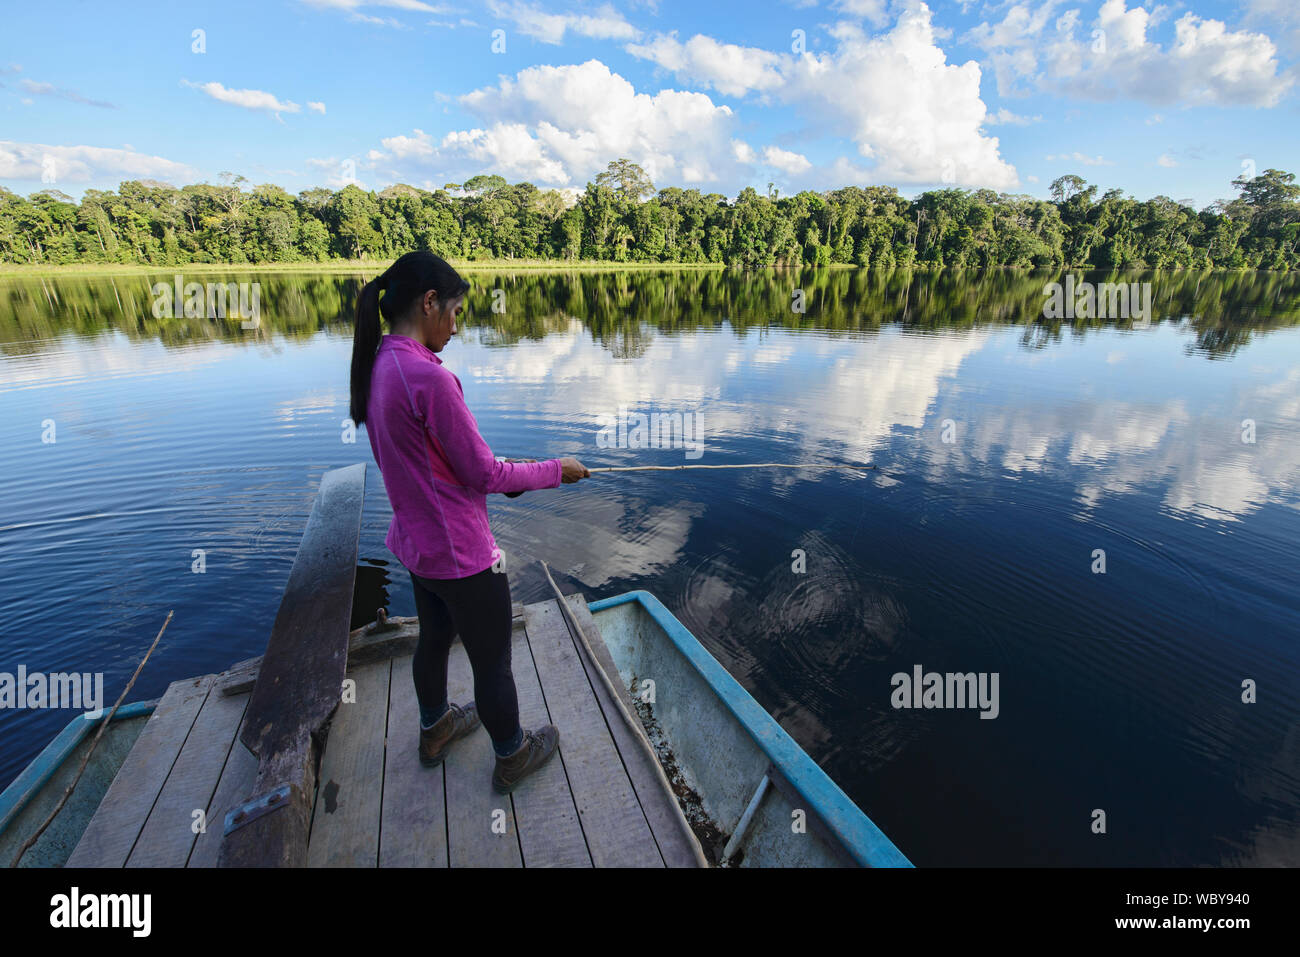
628	180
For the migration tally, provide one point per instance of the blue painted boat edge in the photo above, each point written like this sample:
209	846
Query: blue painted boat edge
33	777
862	838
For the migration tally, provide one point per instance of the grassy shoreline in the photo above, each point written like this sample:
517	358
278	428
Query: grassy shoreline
368	267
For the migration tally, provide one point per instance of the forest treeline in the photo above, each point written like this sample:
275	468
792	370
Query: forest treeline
621	217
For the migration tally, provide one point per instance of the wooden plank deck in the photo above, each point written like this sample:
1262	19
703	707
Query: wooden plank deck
596	803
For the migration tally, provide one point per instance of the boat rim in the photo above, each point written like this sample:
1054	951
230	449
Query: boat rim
864	841
32	778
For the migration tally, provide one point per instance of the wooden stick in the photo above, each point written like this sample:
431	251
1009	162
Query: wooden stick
754	465
27	845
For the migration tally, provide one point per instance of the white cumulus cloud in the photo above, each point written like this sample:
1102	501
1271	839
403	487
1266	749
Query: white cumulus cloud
730	69
1004	117
915	117
352	6
531	20
1112	55
81	164
1077	157
419	146
248	99
786	161
563	124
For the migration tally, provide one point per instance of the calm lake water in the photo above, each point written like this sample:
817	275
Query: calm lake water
1119	691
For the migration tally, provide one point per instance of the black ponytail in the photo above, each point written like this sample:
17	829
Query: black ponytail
404	281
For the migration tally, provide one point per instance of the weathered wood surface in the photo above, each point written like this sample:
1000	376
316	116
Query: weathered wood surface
413	819
663	816
364	646
584	808
590	805
345	826
617	832
111	834
172	826
301	676
481	829
373	642
550	834
238	776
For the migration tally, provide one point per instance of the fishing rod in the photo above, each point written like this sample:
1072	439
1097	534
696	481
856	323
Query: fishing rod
747	465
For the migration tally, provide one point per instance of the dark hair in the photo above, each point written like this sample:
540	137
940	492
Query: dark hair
402	283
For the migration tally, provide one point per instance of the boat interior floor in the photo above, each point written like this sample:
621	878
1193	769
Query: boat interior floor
598	802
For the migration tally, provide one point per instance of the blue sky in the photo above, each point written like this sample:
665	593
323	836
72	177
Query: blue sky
1174	99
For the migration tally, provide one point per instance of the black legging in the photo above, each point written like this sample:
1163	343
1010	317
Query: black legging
478	608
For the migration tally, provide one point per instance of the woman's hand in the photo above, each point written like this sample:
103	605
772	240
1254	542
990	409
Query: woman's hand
574	471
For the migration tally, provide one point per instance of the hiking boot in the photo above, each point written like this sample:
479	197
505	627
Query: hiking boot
436	741
536	750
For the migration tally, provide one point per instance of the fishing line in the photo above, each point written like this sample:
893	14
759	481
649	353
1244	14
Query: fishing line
748	465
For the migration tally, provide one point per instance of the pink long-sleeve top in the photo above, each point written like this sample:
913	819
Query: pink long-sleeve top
436	466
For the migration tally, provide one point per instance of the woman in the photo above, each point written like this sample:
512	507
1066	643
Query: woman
438	471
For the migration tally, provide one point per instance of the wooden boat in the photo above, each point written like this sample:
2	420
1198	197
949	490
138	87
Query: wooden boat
743	776
266	764
30	798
